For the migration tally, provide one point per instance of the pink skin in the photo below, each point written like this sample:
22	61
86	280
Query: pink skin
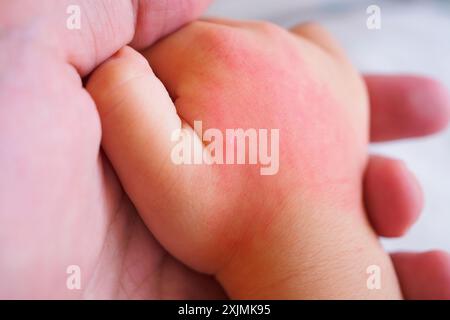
432	284
222	223
407	99
281	86
394	186
66	207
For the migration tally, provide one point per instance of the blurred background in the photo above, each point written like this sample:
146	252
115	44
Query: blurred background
414	38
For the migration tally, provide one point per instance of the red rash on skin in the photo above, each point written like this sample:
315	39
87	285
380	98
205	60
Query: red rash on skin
228	79
255	233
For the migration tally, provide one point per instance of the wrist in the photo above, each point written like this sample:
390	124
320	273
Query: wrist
324	255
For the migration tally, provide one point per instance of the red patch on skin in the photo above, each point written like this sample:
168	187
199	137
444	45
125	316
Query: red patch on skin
232	79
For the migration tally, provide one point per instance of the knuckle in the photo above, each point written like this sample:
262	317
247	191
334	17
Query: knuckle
313	26
220	44
269	28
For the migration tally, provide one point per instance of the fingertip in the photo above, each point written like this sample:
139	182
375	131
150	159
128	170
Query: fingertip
432	102
126	52
125	59
404	106
393	196
423	275
107	82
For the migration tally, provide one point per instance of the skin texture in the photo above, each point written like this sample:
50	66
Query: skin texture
399	213
437	264
409	90
307	237
66	206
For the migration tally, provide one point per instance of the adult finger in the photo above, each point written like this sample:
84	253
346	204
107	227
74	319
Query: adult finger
406	106
423	276
104	25
392	196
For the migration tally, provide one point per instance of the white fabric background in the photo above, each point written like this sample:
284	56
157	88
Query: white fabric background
415	37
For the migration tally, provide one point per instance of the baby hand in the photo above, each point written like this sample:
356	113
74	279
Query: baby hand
294	230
